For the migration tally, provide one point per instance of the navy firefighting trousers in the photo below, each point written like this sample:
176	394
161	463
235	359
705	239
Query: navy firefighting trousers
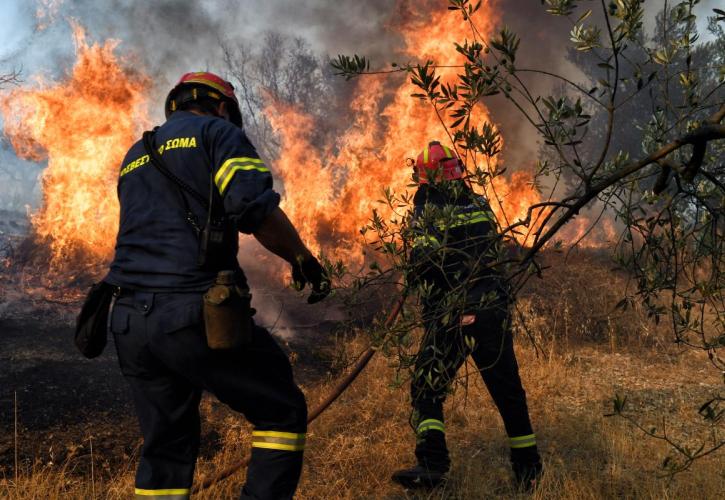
443	351
163	355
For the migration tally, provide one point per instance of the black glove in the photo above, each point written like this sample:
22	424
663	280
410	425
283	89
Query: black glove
310	271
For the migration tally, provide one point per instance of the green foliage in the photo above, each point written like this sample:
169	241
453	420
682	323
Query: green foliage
641	137
350	66
507	43
585	38
560	7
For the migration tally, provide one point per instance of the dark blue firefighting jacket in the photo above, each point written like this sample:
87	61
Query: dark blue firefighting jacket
157	247
455	240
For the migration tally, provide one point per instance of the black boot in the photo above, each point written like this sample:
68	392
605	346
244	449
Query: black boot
526	464
419	477
433	462
527	474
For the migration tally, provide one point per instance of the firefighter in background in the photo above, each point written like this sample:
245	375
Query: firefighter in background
157	319
465	312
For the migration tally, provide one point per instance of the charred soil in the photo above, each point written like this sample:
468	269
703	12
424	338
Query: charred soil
63	401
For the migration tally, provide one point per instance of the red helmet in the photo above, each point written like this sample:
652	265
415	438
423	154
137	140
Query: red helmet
440	159
200	84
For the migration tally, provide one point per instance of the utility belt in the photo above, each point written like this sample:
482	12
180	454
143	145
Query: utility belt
227	314
227	310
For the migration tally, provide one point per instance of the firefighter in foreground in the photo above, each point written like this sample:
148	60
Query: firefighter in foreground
185	192
465	311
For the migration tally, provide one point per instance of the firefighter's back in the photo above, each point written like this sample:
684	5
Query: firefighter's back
157	244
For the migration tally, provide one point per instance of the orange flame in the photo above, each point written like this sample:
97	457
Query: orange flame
516	195
330	196
335	194
83	126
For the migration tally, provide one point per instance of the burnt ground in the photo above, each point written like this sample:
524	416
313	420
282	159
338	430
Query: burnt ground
64	399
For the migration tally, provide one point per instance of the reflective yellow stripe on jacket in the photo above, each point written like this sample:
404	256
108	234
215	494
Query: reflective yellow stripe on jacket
426	241
164	494
456	220
469	218
274	440
232	165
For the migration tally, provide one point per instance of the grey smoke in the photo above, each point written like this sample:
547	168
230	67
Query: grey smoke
169	37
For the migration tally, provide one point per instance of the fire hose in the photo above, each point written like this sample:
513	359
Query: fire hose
341	386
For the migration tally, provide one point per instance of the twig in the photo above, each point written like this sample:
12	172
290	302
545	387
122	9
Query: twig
704	133
565	80
15	429
93	482
611	108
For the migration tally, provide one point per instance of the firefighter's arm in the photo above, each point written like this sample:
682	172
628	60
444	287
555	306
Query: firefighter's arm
245	184
425	247
279	236
240	176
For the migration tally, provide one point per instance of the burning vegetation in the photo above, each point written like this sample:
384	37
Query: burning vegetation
82	126
330	189
663	208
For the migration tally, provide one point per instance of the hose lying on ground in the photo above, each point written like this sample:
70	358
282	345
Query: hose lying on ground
317	411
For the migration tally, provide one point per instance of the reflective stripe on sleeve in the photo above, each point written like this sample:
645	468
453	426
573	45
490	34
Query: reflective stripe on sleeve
468	218
165	494
430	424
227	170
274	440
523	441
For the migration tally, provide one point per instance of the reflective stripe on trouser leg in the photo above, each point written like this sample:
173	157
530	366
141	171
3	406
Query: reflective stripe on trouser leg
430	424
276	464
523	441
164	494
430	448
274	440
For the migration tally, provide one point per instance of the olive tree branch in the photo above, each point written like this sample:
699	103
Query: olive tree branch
707	132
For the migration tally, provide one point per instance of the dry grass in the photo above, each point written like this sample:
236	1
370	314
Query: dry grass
356	445
364	437
576	302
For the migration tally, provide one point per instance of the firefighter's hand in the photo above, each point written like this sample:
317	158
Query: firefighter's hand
310	271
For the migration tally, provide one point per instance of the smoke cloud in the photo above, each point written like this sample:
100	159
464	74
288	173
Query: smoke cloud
166	38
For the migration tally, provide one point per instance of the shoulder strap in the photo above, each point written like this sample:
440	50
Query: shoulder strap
157	162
